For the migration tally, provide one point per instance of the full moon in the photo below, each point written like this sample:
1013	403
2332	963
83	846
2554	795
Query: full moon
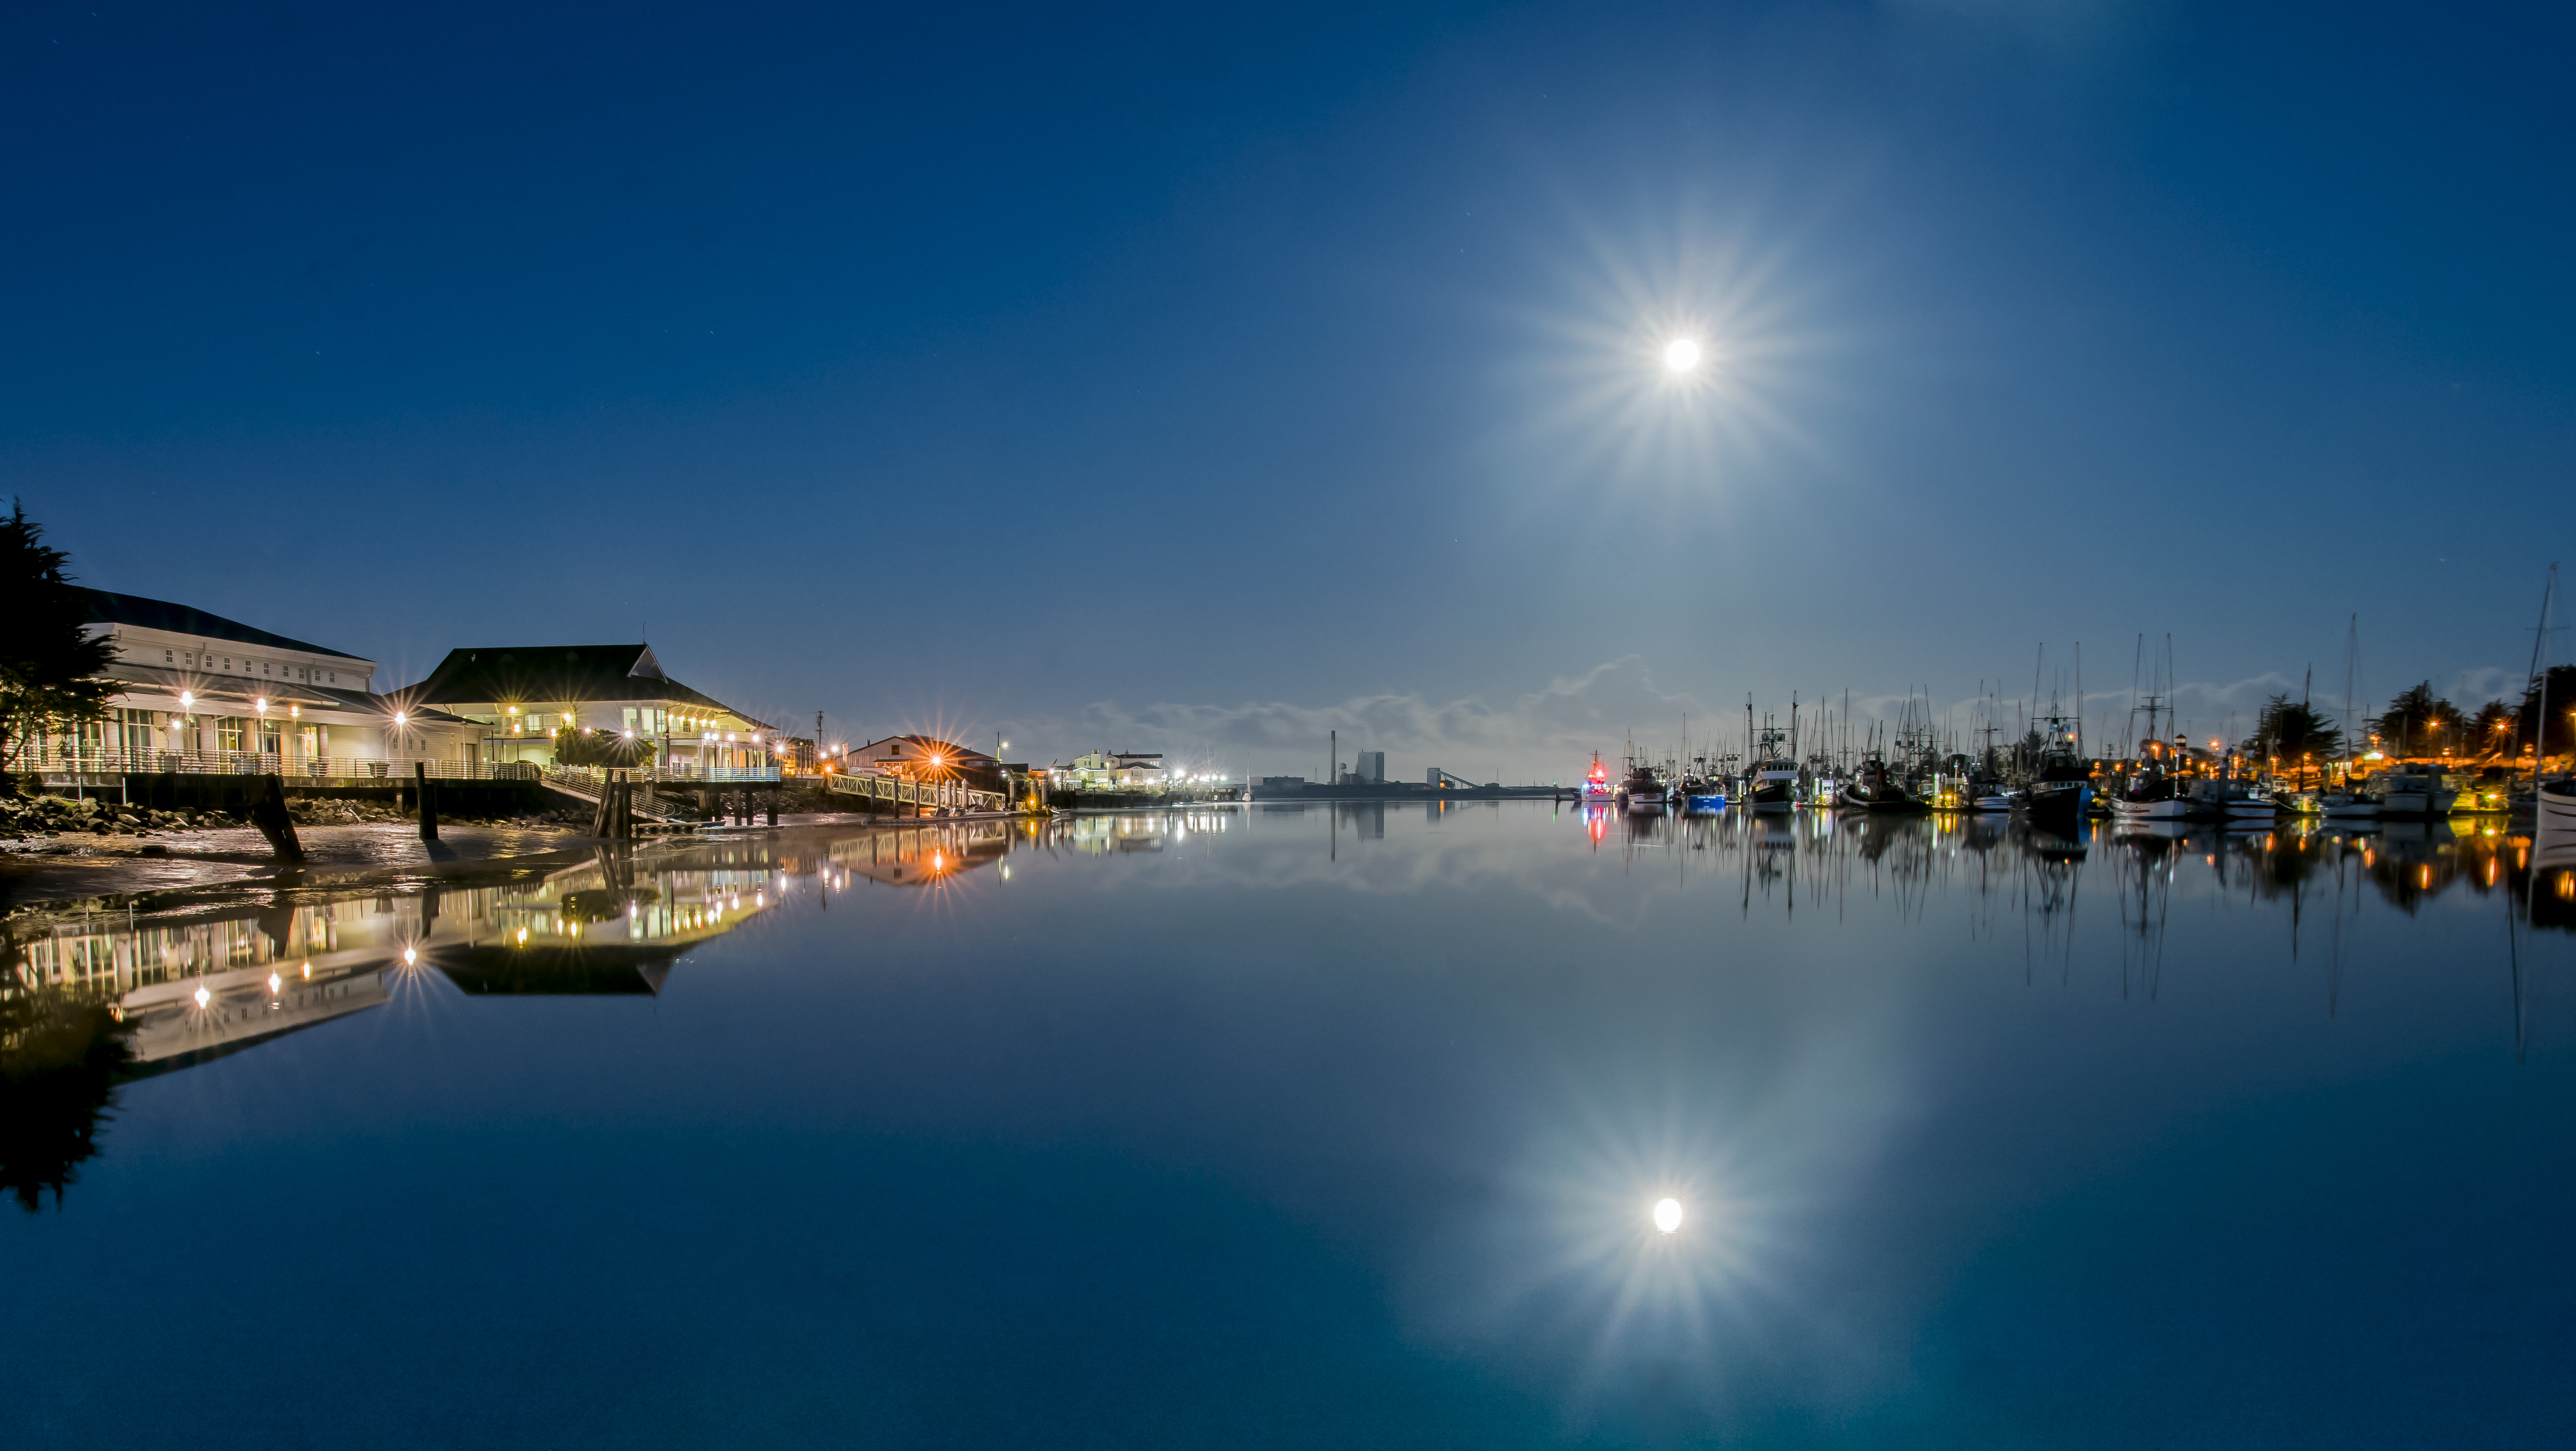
1681	355
1668	1215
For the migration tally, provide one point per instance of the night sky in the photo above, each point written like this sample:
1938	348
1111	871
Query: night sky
1153	378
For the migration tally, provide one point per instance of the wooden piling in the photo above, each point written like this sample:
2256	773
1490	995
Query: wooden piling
428	803
268	813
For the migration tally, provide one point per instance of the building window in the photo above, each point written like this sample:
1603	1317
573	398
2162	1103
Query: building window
134	732
165	658
228	733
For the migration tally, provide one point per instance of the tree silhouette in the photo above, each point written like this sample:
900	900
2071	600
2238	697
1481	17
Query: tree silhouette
2562	699
2293	730
48	661
59	1057
2420	723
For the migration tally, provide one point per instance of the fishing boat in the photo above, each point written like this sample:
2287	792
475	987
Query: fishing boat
1703	798
1983	791
1877	789
1596	782
1820	785
1642	793
2412	788
2060	789
2154	796
1771	783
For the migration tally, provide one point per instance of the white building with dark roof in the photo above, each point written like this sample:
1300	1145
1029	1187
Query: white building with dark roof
198	692
522	699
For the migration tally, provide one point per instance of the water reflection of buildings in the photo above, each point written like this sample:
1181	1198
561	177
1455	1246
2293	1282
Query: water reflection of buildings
1107	834
196	987
923	856
94	1000
202	986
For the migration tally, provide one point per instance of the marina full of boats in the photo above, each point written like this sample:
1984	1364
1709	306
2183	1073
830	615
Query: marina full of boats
2051	783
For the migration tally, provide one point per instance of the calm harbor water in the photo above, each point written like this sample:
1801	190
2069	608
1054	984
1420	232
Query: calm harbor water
1305	1125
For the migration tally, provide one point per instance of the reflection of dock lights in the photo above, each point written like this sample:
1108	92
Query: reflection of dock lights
275	982
204	997
410	958
1668	1215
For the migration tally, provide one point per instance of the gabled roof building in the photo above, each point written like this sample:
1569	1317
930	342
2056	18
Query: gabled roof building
520	696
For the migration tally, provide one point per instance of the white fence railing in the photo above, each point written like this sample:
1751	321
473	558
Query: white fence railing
931	795
292	765
295	765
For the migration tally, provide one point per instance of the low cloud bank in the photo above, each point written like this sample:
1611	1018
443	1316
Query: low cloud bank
1550	733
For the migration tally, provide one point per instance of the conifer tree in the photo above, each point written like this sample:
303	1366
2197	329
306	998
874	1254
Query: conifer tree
49	663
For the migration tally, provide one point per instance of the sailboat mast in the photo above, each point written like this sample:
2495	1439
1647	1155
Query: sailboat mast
2540	668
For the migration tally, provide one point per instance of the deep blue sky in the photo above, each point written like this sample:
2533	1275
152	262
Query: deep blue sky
1152	377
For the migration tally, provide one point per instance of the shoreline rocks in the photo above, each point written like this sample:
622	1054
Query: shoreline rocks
25	817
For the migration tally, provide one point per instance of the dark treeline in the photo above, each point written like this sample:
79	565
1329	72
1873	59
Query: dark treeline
2419	722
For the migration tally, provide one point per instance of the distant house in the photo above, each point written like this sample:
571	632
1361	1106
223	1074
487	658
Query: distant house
1097	770
519	696
927	758
200	692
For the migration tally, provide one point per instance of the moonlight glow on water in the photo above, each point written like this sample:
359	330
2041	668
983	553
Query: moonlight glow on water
1495	1125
